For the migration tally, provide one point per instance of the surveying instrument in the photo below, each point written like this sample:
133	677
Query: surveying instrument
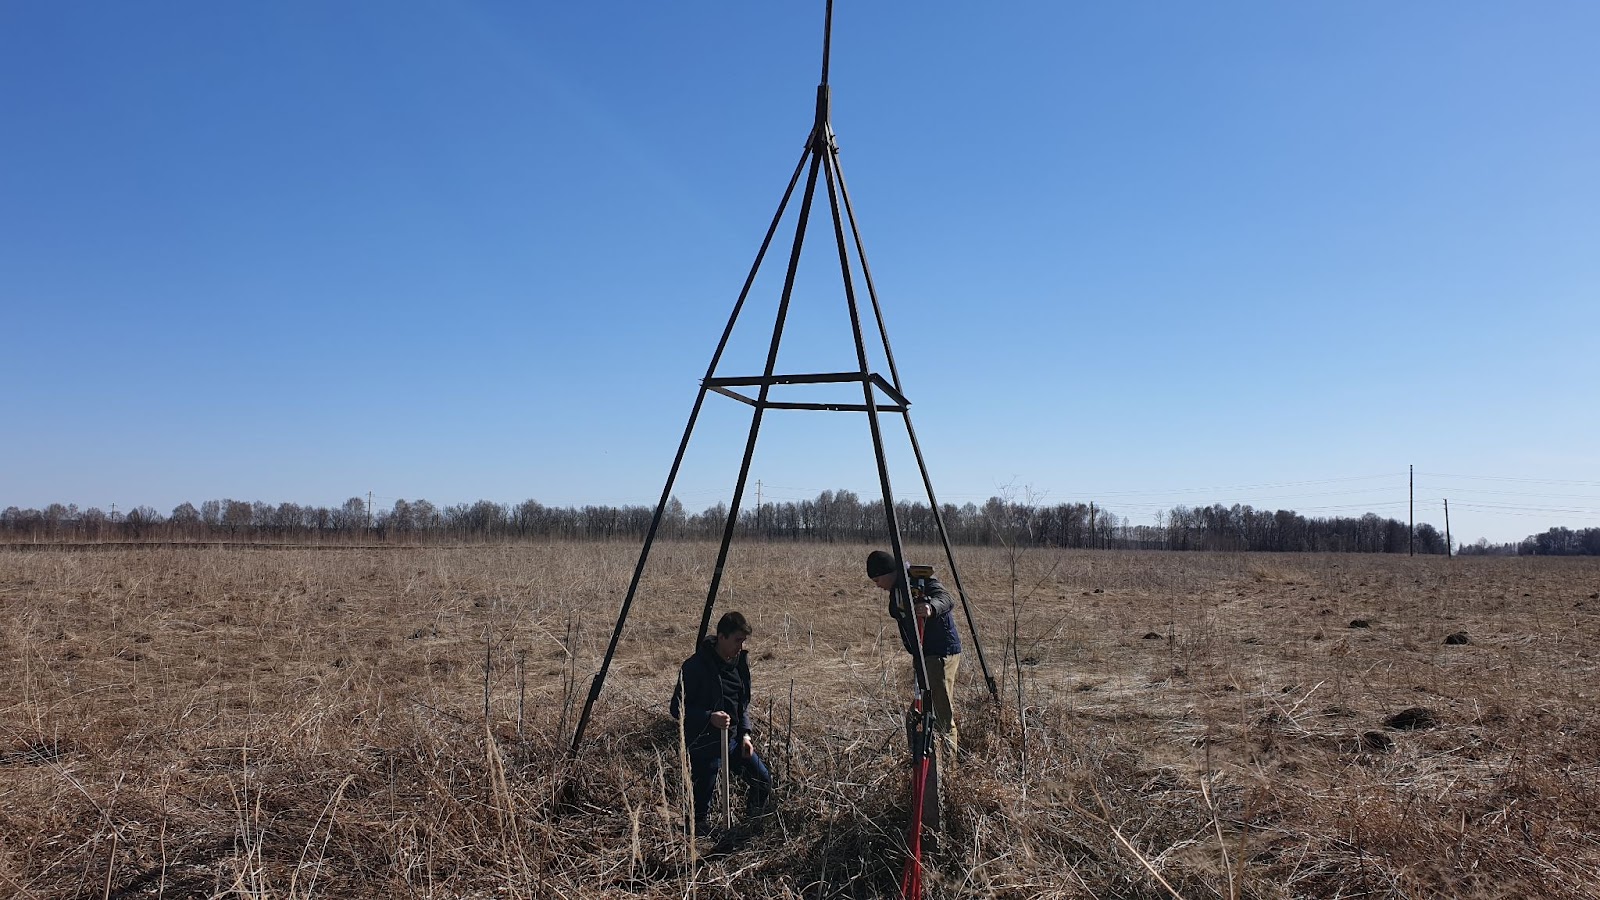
926	798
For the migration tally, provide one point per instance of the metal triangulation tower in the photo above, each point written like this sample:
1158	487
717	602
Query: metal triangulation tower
820	160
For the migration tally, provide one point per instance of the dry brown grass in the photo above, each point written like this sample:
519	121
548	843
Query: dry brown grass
312	723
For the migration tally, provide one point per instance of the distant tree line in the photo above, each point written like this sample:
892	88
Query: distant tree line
1557	541
833	516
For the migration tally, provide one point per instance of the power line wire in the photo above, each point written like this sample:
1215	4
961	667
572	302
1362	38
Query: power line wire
1513	478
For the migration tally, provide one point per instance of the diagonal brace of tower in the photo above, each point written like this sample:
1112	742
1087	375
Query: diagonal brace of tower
818	161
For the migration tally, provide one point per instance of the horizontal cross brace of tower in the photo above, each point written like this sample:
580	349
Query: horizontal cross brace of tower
723	386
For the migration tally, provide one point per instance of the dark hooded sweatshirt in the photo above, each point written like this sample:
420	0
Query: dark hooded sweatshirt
709	685
939	636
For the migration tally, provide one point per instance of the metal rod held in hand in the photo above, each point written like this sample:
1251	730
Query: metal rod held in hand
727	783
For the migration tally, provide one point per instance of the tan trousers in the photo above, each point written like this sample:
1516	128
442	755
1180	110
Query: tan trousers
941	688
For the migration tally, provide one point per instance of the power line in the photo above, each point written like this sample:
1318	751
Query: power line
1513	478
1541	509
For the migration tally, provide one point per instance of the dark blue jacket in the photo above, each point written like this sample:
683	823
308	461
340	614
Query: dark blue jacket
699	694
939	637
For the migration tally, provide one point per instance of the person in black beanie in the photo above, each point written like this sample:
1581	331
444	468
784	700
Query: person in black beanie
941	644
713	701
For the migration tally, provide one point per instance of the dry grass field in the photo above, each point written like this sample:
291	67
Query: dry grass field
393	723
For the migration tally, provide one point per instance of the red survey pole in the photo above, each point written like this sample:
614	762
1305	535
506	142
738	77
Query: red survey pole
921	762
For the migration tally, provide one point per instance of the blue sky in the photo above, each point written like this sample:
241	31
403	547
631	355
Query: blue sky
1144	254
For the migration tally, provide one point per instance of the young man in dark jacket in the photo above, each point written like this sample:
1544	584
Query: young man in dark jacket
941	644
713	702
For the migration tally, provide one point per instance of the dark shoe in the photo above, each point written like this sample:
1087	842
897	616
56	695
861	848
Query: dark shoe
758	815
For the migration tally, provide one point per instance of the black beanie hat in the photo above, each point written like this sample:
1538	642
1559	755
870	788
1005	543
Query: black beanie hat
879	562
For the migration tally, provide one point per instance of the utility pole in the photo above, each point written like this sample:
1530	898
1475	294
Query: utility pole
369	510
758	507
1448	549
1413	526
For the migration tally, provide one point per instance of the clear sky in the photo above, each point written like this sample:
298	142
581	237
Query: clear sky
1138	253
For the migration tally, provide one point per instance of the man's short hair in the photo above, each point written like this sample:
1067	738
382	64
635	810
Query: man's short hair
732	623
